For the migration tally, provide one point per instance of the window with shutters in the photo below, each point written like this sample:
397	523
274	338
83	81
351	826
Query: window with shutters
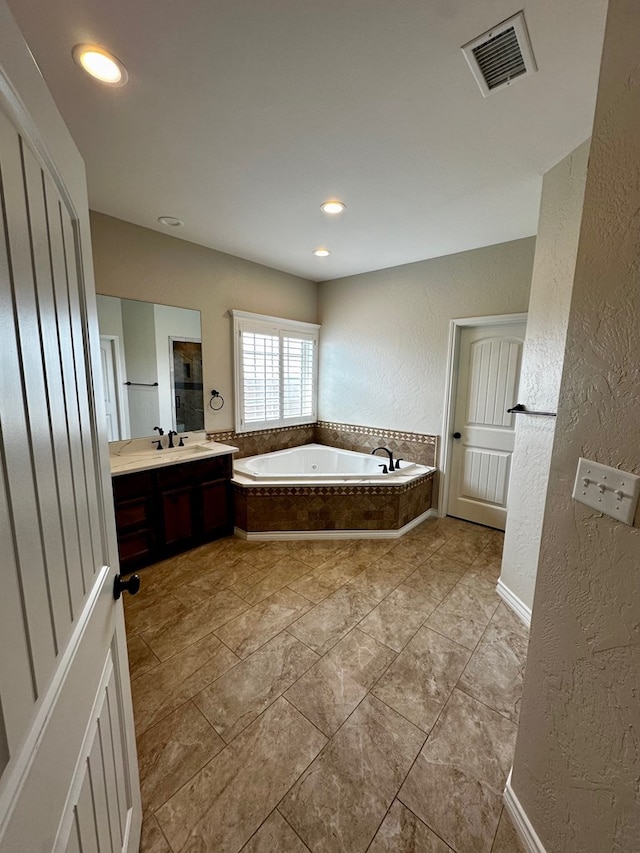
276	368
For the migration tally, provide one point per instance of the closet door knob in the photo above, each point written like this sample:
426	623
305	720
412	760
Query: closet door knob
457	435
132	585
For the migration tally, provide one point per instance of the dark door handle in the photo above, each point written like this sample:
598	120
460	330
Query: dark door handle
457	435
132	585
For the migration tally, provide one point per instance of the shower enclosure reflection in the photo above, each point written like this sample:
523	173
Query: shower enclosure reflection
152	367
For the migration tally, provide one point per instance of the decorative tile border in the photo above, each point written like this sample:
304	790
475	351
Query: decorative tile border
338	489
386	434
413	446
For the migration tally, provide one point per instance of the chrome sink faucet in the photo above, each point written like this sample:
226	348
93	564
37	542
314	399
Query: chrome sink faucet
389	454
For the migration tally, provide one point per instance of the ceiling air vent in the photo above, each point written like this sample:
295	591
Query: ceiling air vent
501	55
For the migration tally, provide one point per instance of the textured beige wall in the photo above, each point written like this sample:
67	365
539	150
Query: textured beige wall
138	263
385	334
551	286
577	761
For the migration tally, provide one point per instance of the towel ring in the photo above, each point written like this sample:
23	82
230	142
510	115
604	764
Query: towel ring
216	395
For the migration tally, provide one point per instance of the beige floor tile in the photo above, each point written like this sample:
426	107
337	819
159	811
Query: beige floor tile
161	690
240	695
314	553
338	804
377	581
396	619
403	832
321	582
226	802
418	684
172	751
285	571
194	624
442	563
152	839
506	840
275	836
210	582
146	615
470	603
141	658
456	783
466	632
464	547
363	552
413	552
432	582
332	619
495	673
256	626
506	618
331	689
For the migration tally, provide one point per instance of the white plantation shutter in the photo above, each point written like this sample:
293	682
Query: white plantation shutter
276	371
260	376
298	375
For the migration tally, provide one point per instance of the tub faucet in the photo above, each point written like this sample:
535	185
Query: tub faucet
389	454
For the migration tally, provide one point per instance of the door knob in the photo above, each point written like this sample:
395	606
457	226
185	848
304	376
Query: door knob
132	585
457	435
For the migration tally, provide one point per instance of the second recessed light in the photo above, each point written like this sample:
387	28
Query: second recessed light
101	64
321	252
332	206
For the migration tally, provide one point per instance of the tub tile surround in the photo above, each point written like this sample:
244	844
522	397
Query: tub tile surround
337	721
412	446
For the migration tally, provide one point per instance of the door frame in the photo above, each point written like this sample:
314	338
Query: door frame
453	362
30	108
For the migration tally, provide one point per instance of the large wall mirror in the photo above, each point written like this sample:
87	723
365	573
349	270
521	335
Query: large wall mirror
152	367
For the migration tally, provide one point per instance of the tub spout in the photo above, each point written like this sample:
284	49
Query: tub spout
389	454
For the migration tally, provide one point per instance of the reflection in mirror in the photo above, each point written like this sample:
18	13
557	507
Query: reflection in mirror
152	367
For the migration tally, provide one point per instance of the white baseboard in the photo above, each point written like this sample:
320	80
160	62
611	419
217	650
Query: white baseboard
279	535
511	600
521	822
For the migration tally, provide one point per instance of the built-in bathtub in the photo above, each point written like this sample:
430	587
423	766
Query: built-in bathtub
314	491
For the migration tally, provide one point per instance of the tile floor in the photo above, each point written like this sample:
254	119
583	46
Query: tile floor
327	696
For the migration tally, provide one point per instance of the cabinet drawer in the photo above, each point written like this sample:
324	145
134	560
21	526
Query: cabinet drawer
132	514
135	547
192	473
127	486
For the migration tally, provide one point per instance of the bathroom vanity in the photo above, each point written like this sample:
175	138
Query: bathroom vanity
169	501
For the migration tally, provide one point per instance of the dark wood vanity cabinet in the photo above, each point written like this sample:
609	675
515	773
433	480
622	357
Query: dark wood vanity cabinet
165	511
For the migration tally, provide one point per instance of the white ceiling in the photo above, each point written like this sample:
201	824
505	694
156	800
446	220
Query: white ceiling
241	116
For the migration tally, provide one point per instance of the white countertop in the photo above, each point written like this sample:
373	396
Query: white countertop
130	457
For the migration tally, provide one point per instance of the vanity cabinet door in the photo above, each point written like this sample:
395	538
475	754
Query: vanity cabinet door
178	528
216	510
135	520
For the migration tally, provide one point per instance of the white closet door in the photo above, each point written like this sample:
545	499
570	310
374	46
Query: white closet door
487	385
68	770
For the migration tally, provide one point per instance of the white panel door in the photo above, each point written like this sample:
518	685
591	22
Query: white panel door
483	431
68	769
110	394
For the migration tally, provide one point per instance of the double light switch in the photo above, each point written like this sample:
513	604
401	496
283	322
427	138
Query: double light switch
607	489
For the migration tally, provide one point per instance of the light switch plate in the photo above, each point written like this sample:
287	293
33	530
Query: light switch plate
608	490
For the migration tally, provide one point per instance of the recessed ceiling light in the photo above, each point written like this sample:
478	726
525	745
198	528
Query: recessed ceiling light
332	206
101	64
321	253
170	221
